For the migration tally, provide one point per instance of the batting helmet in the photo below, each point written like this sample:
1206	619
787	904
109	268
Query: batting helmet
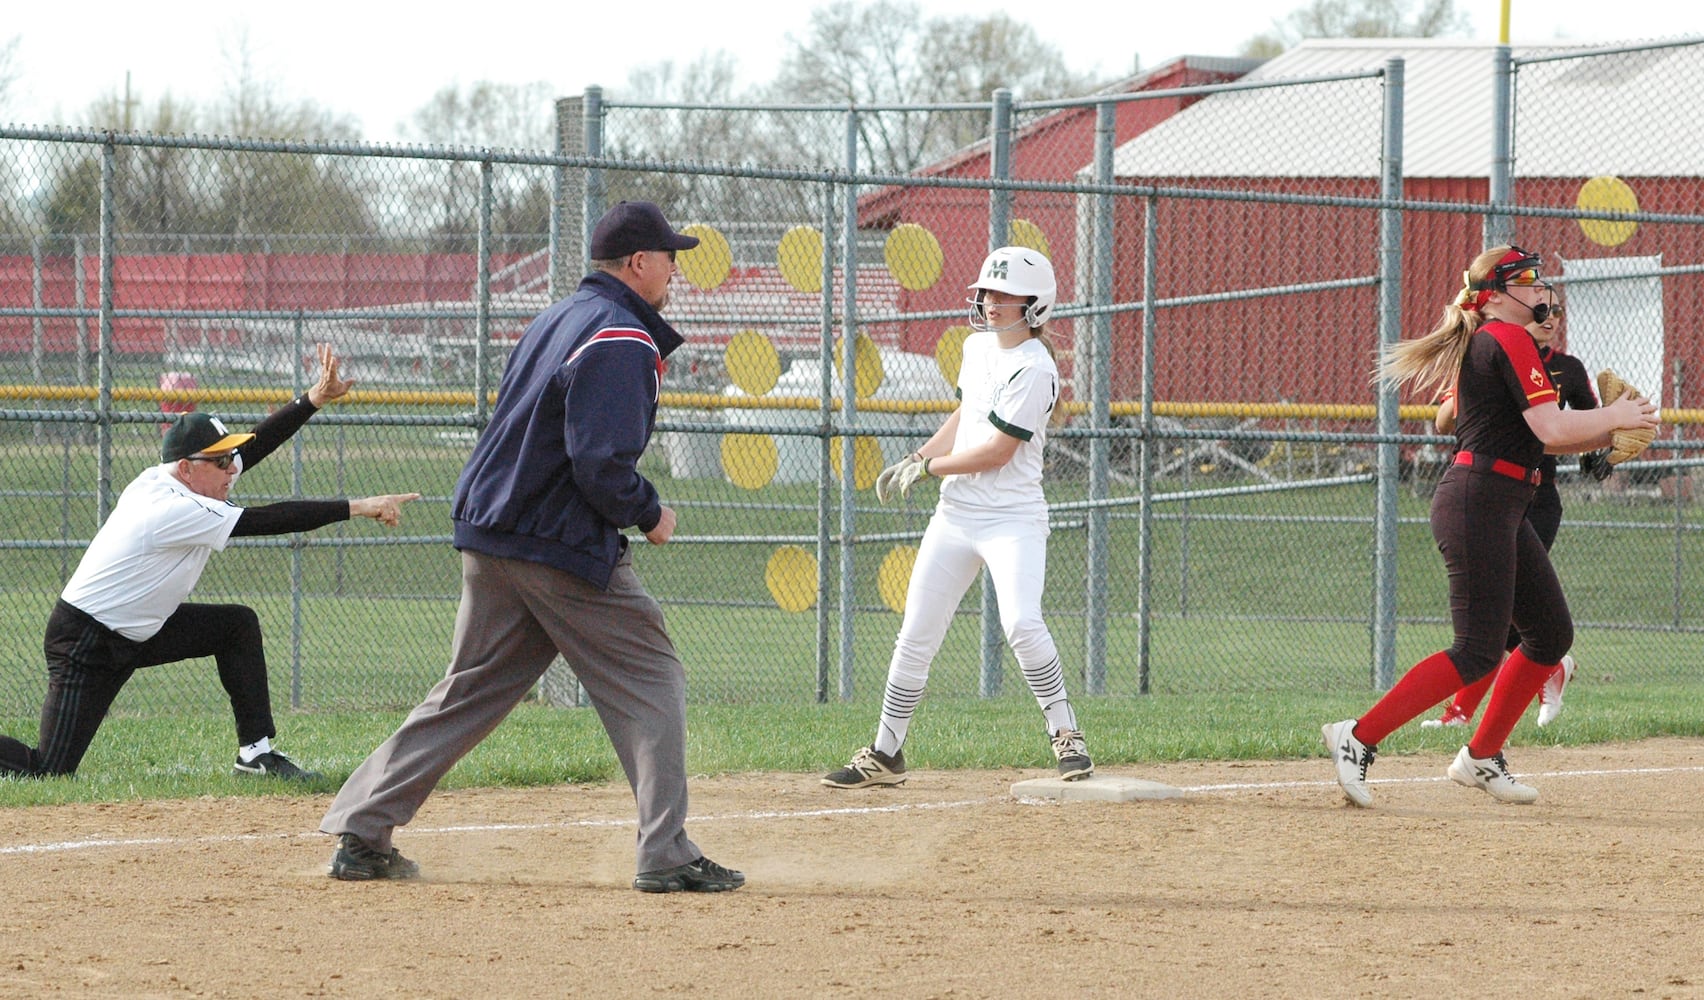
1016	271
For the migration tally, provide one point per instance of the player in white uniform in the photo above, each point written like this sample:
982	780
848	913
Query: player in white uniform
991	512
126	605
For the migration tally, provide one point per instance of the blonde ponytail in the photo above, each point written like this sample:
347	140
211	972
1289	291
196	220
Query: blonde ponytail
1431	363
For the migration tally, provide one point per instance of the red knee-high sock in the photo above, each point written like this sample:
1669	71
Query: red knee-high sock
1468	698
1519	682
1426	683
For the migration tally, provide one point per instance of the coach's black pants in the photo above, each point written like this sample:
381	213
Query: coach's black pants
88	663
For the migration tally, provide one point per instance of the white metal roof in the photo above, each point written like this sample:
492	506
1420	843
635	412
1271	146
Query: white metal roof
1630	114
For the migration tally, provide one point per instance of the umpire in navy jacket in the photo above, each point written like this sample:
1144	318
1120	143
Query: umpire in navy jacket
539	513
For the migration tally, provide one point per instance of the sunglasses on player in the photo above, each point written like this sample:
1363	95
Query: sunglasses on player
221	461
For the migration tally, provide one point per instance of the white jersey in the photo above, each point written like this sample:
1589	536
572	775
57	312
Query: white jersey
149	554
1008	391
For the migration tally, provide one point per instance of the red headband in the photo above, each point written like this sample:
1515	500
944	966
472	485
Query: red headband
1475	294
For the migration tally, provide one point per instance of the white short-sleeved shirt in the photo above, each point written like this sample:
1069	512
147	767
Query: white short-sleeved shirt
1003	391
149	554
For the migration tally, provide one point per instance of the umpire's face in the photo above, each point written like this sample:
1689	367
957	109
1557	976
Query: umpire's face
209	475
651	270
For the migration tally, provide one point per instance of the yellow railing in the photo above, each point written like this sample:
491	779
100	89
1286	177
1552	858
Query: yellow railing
714	401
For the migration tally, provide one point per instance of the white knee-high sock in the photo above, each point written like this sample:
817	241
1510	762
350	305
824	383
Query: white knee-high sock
1047	683
898	704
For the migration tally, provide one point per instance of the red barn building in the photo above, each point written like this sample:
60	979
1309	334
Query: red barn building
1052	146
1613	132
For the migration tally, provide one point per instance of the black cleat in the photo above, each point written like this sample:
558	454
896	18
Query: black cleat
273	764
356	862
702	875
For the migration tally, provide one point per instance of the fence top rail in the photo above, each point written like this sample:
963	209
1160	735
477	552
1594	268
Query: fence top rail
1085	101
1270	83
1609	51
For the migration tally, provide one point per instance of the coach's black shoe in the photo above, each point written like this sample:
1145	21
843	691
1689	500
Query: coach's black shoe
702	875
354	861
273	764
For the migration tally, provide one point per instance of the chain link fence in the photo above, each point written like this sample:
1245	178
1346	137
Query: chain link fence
1235	506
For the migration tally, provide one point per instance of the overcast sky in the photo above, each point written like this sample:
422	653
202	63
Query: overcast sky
380	61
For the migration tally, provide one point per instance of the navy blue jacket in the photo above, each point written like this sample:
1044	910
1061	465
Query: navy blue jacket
554	479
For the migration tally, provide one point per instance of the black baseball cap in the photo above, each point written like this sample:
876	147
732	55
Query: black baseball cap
633	226
198	433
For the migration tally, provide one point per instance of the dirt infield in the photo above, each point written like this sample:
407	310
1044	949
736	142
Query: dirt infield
1258	882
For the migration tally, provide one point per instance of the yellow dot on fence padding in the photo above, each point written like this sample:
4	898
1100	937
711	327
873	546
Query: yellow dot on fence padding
867	371
1024	233
706	265
753	362
894	577
949	352
800	257
913	256
1607	194
792	578
750	460
866	460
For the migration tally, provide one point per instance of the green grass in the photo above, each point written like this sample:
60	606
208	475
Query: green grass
1259	631
164	757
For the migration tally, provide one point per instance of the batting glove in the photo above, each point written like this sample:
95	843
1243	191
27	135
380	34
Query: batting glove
899	477
1596	464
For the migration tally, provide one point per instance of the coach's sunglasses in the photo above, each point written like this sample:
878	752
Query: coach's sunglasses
222	461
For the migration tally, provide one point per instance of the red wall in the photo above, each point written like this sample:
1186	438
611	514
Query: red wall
221	283
1052	148
1320	347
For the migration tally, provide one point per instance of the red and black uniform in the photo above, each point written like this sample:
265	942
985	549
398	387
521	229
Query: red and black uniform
1499	569
1574	391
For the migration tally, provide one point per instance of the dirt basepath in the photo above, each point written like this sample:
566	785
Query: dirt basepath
1257	883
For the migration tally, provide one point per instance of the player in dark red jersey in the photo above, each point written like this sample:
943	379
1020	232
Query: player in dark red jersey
1574	389
1499	571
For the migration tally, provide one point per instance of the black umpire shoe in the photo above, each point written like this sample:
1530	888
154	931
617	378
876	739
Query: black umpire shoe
355	861
273	764
702	875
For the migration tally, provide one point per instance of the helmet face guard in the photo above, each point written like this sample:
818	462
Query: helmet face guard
1015	271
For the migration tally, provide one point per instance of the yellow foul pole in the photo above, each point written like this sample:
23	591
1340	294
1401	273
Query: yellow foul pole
1503	25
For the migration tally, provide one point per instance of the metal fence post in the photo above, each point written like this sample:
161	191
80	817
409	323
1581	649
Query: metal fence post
1682	499
1000	168
1390	330
482	301
298	540
1498	226
1145	521
593	200
567	220
825	471
848	396
1100	406
999	228
103	359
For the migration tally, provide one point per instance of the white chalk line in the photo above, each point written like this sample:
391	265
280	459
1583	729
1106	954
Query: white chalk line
70	846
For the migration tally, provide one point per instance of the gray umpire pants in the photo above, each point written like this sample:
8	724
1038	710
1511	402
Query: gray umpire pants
515	616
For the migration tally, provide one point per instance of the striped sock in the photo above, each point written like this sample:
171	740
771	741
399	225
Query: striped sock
898	704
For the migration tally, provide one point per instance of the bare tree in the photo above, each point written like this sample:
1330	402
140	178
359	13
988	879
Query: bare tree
8	68
444	195
169	197
885	53
276	194
10	220
702	134
1359	19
